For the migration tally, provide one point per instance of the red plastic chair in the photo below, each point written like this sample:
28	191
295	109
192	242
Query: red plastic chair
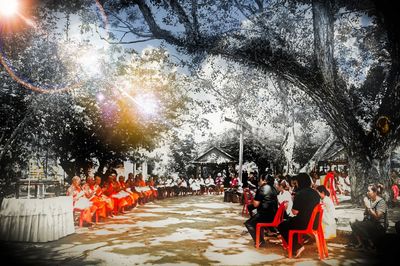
331	179
248	199
318	233
277	220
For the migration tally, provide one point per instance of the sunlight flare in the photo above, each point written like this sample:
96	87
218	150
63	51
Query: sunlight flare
8	7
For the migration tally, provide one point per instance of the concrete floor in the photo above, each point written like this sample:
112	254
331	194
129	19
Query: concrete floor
191	230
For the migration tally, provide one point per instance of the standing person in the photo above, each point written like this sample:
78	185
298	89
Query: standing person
227	180
266	203
304	203
374	225
245	177
328	218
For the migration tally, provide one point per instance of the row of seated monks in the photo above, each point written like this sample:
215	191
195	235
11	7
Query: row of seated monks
111	197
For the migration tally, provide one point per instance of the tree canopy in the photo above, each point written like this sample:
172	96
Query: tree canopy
343	54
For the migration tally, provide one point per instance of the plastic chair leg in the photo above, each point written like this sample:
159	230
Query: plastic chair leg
299	239
323	242
290	245
258	229
319	246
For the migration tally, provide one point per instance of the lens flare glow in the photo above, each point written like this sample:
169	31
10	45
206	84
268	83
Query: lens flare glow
11	7
90	63
100	97
148	103
8	7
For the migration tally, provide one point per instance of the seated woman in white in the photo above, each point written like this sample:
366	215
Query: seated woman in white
210	184
195	186
328	217
285	195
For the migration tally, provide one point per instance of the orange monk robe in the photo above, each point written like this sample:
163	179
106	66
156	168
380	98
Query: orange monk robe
112	192
141	193
81	203
148	193
120	194
154	191
97	201
131	185
132	198
99	193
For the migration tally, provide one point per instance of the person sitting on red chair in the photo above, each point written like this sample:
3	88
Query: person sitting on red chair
304	203
266	203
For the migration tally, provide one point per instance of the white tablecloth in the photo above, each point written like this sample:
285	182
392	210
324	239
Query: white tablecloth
36	220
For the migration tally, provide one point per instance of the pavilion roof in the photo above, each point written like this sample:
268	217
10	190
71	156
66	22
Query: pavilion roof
214	155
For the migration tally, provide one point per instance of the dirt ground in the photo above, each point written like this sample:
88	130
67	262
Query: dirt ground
191	230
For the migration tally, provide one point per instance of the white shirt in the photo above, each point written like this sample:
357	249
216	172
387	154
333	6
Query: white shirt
286	196
209	182
329	211
328	218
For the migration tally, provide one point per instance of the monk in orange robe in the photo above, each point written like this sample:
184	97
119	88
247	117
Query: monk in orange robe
130	185
147	191
112	190
80	202
151	184
132	198
99	191
90	193
138	186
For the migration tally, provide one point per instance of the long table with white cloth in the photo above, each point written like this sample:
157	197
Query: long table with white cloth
36	220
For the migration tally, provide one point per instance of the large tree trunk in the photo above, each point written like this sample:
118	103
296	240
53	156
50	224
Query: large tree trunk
365	170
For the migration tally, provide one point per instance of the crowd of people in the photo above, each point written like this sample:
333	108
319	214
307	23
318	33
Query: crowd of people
97	198
111	197
299	199
301	194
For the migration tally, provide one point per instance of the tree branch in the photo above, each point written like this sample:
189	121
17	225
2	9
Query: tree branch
182	17
154	27
130	27
196	28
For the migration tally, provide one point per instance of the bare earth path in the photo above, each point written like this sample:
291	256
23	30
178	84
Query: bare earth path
191	230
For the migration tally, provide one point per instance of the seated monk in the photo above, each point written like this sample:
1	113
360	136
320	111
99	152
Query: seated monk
80	202
153	189
130	184
112	190
99	192
139	189
147	191
132	197
90	193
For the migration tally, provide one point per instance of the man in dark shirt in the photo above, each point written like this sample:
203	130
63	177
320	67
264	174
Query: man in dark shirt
304	203
266	202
